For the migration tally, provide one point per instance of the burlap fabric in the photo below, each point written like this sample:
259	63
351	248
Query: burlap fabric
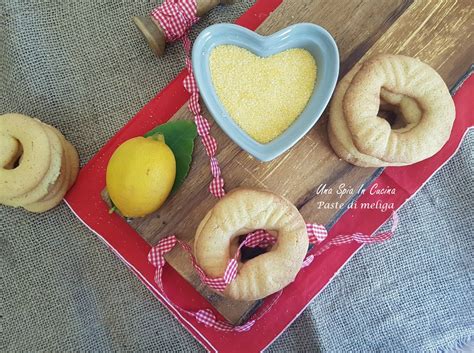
83	67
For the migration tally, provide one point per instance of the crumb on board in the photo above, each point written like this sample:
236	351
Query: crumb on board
262	95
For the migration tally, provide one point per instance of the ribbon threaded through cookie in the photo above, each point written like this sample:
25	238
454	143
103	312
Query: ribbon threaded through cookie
259	238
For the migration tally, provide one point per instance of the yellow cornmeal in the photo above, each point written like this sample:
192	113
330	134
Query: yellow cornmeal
263	95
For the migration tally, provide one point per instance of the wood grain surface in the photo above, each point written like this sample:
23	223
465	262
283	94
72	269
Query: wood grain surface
437	32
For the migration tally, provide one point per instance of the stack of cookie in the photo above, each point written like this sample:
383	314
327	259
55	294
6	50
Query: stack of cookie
37	164
412	91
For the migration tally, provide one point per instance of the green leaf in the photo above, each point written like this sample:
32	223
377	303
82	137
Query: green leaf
112	209
179	136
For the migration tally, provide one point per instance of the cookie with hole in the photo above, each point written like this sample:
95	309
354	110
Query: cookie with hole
409	77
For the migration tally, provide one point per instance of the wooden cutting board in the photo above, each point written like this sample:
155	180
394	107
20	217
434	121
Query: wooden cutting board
437	32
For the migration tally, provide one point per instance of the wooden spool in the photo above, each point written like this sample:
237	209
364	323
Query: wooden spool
153	32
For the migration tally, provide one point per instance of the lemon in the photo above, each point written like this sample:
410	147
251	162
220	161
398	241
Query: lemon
140	175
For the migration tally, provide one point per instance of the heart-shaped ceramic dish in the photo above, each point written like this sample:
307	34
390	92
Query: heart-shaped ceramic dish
313	38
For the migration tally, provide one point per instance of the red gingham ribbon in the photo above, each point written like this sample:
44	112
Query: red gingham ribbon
360	238
175	18
206	316
259	238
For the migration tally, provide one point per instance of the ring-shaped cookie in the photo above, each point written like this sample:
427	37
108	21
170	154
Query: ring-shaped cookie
35	159
49	179
242	211
410	77
340	136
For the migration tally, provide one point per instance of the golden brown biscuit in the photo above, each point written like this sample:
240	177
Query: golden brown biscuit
36	156
339	134
49	179
242	211
410	77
